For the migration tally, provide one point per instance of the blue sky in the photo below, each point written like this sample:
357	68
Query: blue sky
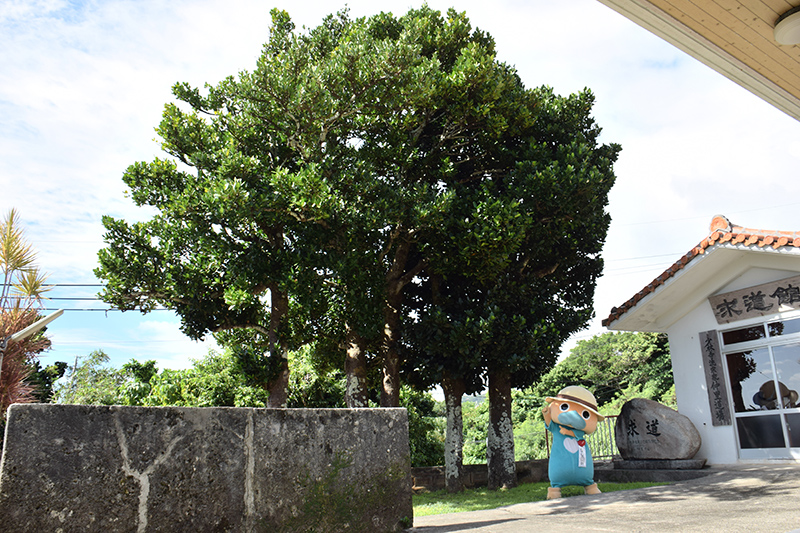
83	84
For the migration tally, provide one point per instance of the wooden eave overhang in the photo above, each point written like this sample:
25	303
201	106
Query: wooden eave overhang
733	37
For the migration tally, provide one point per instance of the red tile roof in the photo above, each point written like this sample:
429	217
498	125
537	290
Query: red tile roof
722	232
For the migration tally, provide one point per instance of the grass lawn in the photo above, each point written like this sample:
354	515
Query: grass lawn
440	502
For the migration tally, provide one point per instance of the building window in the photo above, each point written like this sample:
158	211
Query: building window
735	336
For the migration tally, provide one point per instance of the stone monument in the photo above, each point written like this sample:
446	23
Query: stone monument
651	435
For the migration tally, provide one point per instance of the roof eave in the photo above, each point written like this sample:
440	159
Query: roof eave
706	273
664	25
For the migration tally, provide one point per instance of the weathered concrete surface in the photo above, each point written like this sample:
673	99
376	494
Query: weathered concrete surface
628	472
95	468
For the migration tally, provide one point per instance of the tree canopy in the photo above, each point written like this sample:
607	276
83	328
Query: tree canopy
384	187
353	158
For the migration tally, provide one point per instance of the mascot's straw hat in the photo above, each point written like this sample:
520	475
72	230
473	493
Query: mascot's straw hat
577	394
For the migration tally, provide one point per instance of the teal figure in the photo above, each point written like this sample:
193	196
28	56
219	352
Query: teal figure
570	416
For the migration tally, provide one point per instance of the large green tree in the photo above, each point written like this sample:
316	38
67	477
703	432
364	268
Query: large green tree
546	291
305	199
499	315
234	234
443	346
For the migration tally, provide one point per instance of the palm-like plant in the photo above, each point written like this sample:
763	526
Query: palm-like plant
21	296
23	283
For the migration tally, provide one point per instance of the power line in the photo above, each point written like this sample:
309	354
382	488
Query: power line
75	285
75	299
51	285
104	309
132	342
676	254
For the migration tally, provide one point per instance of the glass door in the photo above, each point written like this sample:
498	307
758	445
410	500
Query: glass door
787	366
764	383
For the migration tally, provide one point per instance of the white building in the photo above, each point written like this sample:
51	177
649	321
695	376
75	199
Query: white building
731	309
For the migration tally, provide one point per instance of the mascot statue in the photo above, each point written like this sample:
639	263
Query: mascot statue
570	416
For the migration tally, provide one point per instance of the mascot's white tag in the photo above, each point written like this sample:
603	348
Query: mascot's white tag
582	457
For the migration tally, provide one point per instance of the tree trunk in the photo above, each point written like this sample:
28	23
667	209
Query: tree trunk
355	369
395	282
278	388
454	438
396	279
390	392
500	444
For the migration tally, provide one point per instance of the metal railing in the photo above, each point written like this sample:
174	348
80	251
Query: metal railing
601	442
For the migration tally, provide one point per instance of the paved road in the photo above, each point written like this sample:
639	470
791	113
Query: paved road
746	499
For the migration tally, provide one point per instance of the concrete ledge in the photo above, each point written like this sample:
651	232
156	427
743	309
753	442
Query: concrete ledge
95	468
647	476
660	464
431	478
630	472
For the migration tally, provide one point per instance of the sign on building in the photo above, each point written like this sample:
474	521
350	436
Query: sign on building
761	300
715	381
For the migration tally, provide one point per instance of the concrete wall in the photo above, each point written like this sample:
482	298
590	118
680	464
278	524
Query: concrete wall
95	468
